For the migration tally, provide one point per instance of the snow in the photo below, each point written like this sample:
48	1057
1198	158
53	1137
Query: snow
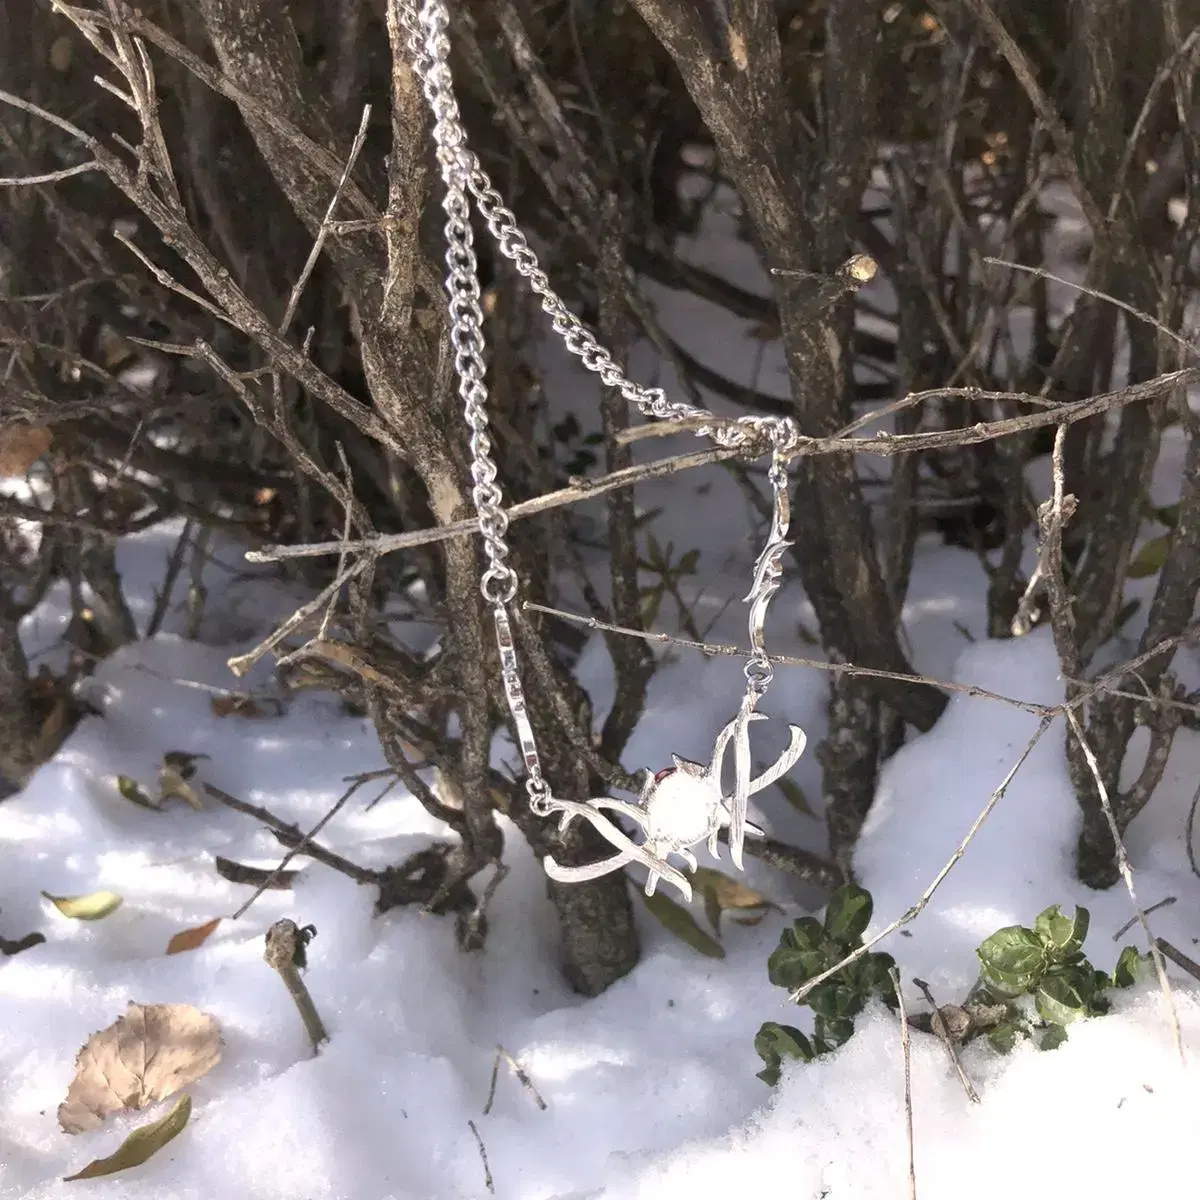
650	1089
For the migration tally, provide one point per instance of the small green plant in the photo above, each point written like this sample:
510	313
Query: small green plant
1032	983
808	948
1046	964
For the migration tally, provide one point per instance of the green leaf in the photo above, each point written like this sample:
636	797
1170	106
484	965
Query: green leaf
1131	967
1168	515
1003	1037
834	1000
1150	558
688	563
805	933
848	914
1053	1037
794	795
1065	994
91	907
804	951
829	1033
676	919
131	791
1061	935
789	967
1013	959
774	1043
140	1144
873	977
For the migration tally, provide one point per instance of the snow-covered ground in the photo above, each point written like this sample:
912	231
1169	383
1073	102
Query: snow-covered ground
650	1090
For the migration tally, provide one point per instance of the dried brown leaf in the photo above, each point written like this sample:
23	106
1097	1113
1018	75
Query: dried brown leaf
21	446
143	1057
189	939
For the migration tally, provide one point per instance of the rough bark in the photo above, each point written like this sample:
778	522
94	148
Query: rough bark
801	198
400	349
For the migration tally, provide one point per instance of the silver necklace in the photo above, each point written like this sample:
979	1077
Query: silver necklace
684	805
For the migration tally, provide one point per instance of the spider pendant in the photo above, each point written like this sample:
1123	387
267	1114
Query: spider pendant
679	807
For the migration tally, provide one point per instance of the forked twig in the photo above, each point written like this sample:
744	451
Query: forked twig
302	845
1163	903
938	1025
323	232
522	1077
241	664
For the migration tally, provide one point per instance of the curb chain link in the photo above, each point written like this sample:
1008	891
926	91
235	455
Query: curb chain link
463	178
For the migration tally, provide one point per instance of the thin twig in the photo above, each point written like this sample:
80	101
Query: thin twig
289	835
1178	957
1166	902
938	1025
489	1183
906	1051
1188	833
1127	875
241	664
302	845
912	913
50	177
884	445
162	602
170	283
522	1077
578	491
285	955
349	524
1144	317
722	649
323	232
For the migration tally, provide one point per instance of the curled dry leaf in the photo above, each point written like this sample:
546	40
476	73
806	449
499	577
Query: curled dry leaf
173	782
723	894
143	1057
91	907
140	1144
189	939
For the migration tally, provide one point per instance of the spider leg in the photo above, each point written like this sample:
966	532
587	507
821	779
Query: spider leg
797	740
635	812
629	852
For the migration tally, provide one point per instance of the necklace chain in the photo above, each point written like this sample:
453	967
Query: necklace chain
463	178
